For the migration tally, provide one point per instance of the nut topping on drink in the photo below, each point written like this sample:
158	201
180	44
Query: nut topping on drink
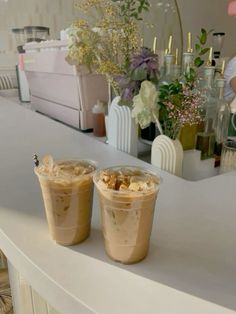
127	180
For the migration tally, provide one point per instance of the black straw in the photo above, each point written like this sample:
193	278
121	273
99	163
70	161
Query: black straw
36	161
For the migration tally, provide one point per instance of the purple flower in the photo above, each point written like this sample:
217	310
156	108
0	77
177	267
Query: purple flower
143	66
145	57
128	92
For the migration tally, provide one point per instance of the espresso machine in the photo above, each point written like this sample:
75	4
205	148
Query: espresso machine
22	36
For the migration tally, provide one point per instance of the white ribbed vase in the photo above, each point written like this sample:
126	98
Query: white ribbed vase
122	131
167	154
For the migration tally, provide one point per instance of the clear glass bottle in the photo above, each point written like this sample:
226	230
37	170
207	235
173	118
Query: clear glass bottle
221	120
98	111
176	66
187	59
205	140
167	74
187	64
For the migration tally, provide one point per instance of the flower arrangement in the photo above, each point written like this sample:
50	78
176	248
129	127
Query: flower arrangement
143	67
107	36
171	106
107	41
177	104
180	105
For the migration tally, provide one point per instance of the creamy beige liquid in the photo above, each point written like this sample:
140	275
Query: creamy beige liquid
127	226
68	202
127	221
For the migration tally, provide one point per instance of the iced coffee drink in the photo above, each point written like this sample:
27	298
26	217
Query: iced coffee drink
127	199
67	189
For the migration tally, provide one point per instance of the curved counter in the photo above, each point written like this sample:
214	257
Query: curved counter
191	263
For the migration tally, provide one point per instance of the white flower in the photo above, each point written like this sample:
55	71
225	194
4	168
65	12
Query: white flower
98	30
145	107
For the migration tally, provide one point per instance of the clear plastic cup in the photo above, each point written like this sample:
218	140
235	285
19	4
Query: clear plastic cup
127	217
68	203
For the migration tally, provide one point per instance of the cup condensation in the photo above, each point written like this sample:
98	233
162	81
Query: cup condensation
68	203
127	217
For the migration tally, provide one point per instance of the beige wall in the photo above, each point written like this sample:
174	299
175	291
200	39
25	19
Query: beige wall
58	14
55	14
210	14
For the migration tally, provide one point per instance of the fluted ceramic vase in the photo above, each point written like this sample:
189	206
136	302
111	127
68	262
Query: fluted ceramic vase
122	131
167	154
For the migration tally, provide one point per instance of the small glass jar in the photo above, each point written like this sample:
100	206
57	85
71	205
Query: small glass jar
36	33
228	157
19	37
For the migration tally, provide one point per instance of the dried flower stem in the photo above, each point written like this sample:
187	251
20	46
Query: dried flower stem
158	124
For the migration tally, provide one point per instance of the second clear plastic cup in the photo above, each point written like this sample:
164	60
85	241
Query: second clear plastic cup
68	203
127	217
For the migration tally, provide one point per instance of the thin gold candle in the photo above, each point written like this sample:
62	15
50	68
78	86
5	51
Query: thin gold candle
209	61
222	68
189	43
170	44
154	44
176	56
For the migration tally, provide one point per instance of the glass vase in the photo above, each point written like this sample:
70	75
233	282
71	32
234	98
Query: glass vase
188	135
149	133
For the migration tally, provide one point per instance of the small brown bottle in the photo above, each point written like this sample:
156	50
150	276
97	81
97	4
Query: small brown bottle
99	119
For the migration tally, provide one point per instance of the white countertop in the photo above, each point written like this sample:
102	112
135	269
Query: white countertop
191	266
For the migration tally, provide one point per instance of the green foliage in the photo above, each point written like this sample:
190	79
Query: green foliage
180	105
200	47
168	90
203	37
200	50
191	76
171	92
197	47
203	51
133	8
198	62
